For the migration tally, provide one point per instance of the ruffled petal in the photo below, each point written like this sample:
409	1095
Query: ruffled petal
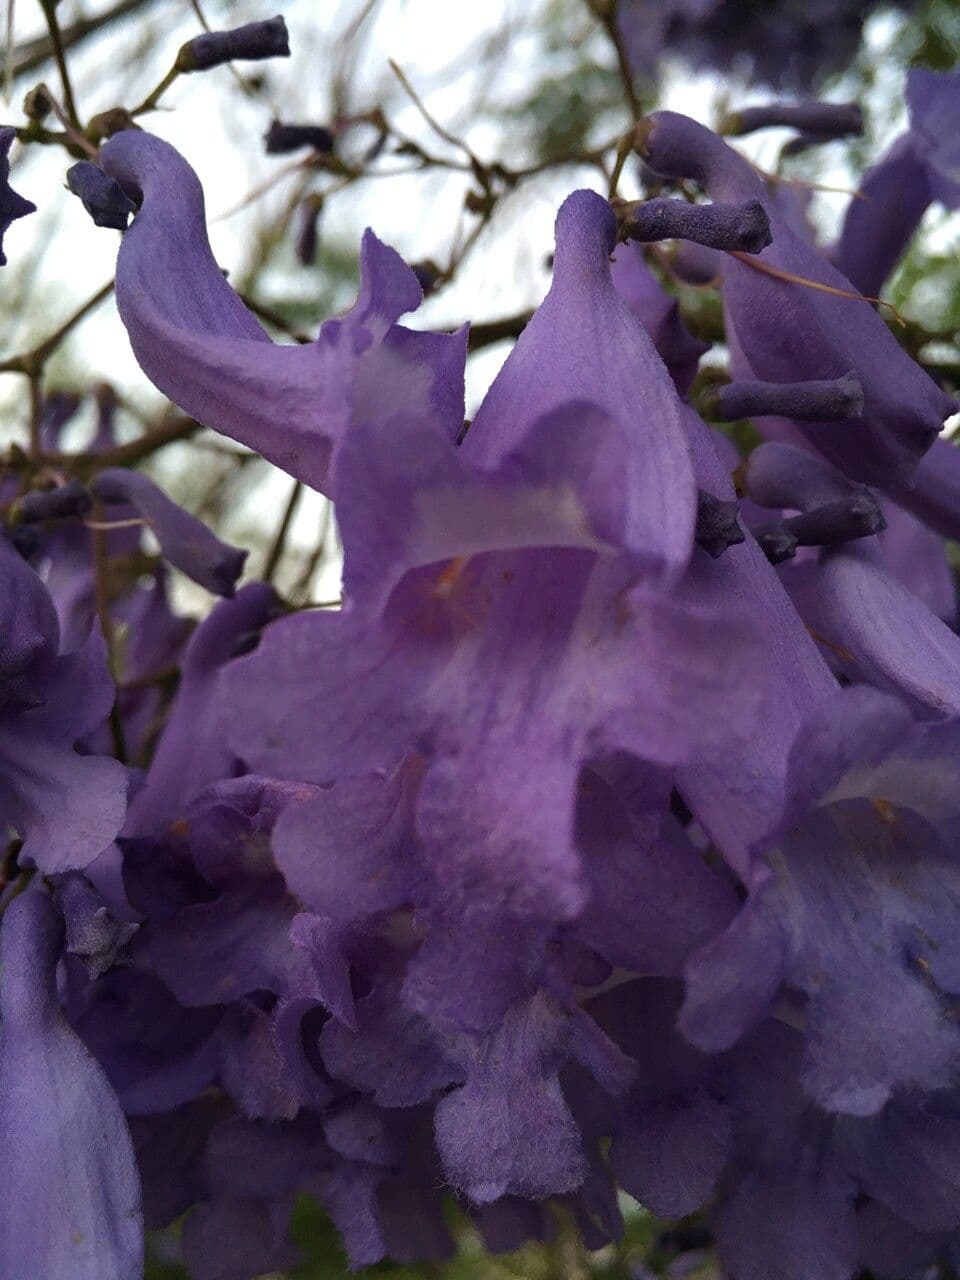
197	342
584	343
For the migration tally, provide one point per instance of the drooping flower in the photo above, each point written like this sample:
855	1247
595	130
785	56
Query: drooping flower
921	168
65	807
857	914
786	331
788	43
71	1204
199	344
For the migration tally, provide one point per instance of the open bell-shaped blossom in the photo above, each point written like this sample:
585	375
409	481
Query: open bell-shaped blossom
198	343
66	807
184	540
789	332
192	752
921	168
875	627
584	343
737	793
858	911
71	1203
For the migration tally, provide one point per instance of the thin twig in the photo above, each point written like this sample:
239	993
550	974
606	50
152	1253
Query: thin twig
34	53
280	541
34	360
56	40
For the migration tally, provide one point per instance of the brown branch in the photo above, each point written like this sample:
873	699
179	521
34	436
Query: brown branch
31	362
486	334
280	541
35	53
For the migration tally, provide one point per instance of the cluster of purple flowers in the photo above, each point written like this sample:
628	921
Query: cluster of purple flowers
792	44
582	848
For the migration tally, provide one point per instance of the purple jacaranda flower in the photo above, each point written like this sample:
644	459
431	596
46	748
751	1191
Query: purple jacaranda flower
787	43
444	636
191	751
65	807
917	556
71	1203
199	344
184	540
856	913
788	332
12	206
921	168
617	369
659	314
879	630
737	794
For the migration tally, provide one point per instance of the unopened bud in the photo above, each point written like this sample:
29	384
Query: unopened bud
281	138
743	227
105	200
36	104
252	42
821	119
825	400
68	501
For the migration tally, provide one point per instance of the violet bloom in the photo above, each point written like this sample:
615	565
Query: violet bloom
71	1203
876	628
786	332
65	807
12	206
788	43
857	915
921	168
199	344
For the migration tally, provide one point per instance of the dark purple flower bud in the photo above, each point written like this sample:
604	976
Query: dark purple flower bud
281	138
776	543
185	541
58	408
857	516
717	524
12	206
68	501
309	214
821	119
252	42
105	200
816	401
742	227
94	934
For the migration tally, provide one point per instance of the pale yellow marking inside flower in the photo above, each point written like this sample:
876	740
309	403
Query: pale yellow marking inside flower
449	576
